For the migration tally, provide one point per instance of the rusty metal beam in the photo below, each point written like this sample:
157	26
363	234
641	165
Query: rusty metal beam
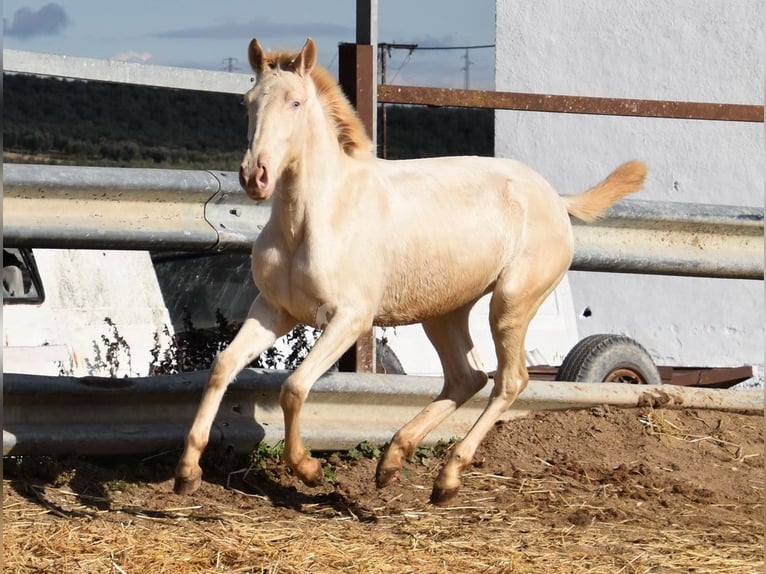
389	94
710	378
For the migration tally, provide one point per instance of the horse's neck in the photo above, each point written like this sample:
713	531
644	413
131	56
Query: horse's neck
309	188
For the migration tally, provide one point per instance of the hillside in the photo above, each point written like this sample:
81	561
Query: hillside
94	123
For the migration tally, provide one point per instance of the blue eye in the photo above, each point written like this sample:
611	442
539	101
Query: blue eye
296	104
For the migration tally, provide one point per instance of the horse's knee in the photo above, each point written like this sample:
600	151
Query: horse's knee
291	395
230	359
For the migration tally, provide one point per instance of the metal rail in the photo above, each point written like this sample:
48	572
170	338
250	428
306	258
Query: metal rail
125	72
388	94
116	208
57	415
669	238
154	209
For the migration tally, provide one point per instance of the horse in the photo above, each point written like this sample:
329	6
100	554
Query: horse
355	242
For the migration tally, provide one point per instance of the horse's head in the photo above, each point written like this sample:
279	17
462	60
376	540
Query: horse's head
276	108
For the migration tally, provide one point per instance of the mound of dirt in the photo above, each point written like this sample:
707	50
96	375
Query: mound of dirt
600	490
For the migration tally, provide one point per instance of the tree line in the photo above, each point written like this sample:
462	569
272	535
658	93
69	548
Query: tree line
97	123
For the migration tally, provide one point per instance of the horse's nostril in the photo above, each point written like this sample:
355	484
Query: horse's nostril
262	176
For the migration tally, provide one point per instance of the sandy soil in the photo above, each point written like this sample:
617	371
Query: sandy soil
600	490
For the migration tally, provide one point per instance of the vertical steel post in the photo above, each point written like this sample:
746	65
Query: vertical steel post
359	80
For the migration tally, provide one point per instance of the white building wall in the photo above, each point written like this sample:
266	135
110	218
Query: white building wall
689	50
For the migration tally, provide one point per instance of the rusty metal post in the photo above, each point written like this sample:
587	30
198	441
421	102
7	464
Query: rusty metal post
357	72
355	76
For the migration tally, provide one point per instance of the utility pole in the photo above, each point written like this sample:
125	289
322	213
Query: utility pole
467	69
230	64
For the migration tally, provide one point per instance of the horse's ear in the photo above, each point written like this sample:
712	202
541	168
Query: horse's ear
307	58
257	56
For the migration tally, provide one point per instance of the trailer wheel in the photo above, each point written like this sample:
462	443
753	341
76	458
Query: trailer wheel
609	359
386	360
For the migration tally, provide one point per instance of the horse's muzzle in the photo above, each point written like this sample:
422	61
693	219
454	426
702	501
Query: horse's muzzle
257	185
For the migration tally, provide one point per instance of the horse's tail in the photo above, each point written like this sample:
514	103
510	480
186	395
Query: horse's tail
590	205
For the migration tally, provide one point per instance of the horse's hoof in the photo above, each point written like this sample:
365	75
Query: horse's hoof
440	497
313	481
386	476
314	476
186	486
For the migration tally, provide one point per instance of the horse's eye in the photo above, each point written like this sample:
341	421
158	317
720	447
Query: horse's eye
295	104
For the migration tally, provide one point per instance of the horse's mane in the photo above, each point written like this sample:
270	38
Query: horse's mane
352	136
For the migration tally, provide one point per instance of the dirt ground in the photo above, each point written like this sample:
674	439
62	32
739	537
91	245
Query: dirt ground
600	490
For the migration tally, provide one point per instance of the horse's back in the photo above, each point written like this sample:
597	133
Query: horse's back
455	224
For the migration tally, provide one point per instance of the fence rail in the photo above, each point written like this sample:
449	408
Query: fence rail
116	208
115	71
154	209
112	416
569	104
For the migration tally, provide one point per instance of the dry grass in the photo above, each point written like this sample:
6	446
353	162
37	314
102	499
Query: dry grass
68	535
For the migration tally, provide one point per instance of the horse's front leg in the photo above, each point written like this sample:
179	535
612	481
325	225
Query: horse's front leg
264	324
343	329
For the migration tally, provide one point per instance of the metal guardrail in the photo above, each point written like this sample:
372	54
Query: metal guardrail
669	238
125	72
154	209
117	208
57	415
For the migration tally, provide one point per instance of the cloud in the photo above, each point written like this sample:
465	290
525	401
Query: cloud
47	21
261	30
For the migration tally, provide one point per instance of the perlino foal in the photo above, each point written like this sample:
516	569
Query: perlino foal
355	241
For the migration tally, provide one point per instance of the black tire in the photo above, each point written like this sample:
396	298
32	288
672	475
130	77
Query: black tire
609	358
386	360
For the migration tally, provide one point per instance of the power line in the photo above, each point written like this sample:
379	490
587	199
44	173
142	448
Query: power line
384	52
474	47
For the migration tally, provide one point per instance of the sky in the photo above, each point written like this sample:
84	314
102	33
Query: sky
215	34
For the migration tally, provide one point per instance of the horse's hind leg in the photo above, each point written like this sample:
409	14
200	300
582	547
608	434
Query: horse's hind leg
463	378
262	327
514	302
